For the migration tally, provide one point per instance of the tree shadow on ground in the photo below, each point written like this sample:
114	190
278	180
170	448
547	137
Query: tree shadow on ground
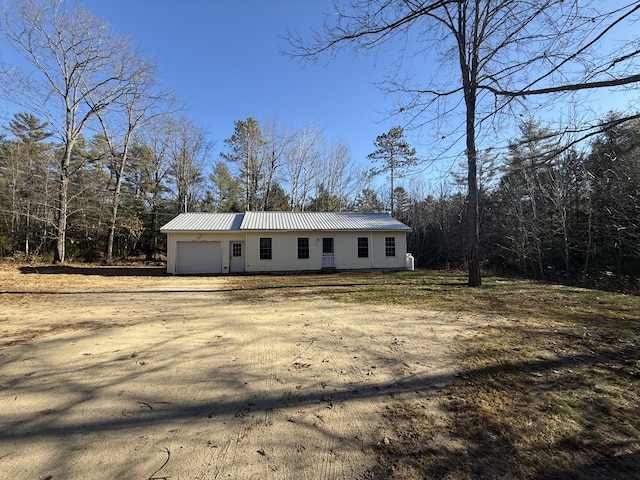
103	271
483	451
475	439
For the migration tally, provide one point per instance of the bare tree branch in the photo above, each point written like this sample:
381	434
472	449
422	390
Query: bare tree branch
616	82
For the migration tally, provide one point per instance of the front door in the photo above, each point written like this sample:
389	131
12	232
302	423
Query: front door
236	262
328	254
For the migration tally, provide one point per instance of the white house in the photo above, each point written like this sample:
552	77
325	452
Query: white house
284	241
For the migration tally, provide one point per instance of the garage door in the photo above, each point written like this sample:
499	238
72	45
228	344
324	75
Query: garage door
198	257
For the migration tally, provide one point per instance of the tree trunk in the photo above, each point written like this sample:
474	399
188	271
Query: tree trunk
116	201
473	230
566	240
27	222
269	182
587	256
114	217
61	229
63	202
469	82
392	175
153	241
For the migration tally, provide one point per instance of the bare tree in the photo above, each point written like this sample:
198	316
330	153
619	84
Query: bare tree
339	175
303	159
132	111
150	174
188	151
276	143
490	53
78	69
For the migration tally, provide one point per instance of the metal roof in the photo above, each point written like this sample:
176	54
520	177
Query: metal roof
199	222
283	221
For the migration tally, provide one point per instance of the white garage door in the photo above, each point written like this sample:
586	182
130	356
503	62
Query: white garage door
198	257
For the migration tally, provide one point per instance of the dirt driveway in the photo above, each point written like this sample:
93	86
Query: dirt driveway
154	377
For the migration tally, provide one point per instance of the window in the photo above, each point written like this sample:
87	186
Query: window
303	248
390	246
236	249
265	249
363	247
327	246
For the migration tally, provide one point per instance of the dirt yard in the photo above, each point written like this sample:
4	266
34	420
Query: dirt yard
109	373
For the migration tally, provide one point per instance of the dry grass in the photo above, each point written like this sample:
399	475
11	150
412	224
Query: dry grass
550	386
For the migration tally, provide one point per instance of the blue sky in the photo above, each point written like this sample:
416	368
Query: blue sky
224	60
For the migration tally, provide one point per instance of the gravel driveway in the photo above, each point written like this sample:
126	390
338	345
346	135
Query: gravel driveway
144	377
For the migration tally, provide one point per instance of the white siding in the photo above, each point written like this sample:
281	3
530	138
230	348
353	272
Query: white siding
285	251
380	258
347	250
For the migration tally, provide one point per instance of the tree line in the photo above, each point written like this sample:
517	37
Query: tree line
546	211
121	189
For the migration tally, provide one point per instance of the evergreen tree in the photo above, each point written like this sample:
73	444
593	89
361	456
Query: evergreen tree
278	200
402	202
614	176
226	191
25	183
367	201
395	155
247	147
325	201
524	207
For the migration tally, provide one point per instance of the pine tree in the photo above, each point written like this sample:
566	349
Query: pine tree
396	156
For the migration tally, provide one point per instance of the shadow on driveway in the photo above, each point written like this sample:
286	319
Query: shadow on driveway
103	271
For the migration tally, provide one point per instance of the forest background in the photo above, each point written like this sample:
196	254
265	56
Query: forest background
98	154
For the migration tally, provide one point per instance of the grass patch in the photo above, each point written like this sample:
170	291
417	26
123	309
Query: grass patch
550	386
